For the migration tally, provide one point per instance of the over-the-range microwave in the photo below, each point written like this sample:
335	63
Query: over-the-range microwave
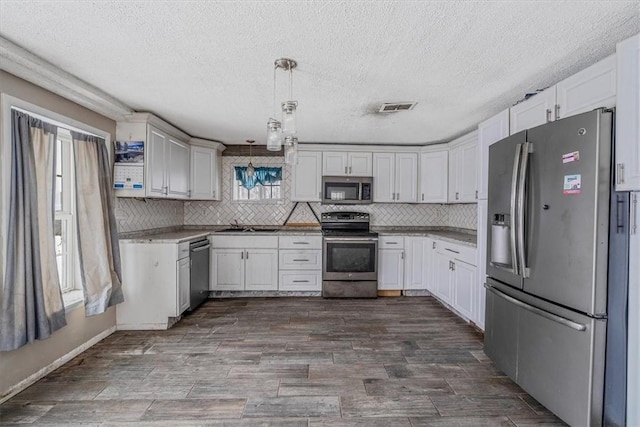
347	190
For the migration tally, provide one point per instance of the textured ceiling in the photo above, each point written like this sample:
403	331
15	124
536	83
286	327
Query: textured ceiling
207	66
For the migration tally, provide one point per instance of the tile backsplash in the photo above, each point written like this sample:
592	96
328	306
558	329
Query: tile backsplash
144	214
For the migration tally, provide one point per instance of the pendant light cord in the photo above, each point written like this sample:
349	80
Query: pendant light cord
275	68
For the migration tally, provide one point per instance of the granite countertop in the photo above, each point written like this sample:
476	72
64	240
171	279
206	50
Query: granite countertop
177	235
461	236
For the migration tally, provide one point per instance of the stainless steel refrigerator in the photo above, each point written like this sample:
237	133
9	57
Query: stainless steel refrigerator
557	263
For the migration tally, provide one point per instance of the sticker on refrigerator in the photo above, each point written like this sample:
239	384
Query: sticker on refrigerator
571	157
572	184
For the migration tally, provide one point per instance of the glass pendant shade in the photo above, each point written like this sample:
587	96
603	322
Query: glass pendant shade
291	150
274	136
289	117
250	170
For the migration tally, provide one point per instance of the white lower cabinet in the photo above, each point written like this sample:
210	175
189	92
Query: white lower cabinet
418	263
300	263
455	277
156	284
244	263
391	263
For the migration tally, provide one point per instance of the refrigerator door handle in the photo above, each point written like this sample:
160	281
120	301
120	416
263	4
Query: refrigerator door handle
514	193
550	316
520	206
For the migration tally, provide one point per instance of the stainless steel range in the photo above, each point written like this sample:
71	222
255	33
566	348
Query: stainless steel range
349	256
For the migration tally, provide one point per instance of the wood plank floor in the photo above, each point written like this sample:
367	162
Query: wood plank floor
286	362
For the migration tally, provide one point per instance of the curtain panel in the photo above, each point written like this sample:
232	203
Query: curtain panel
97	231
32	305
261	175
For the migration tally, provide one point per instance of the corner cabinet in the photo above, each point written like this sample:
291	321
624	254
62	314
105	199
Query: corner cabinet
306	177
206	170
463	159
166	157
395	177
434	168
628	115
418	263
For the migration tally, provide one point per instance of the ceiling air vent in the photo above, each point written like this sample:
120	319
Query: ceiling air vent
397	106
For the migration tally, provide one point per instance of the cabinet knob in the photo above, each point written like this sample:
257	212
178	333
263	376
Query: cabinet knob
456	195
423	197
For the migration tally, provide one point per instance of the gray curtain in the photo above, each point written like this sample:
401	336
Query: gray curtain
32	306
97	232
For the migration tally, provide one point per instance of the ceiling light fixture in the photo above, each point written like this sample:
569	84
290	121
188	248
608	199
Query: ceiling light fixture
279	132
250	169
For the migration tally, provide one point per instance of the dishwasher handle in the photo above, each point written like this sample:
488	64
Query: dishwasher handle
201	248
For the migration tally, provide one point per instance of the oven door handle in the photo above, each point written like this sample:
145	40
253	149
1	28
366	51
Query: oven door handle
350	239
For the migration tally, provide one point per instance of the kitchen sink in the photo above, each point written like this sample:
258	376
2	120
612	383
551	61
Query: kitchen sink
249	230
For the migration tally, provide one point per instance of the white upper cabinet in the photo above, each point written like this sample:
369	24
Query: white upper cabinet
535	111
434	167
206	171
177	169
167	158
395	177
336	163
306	184
628	115
591	88
490	131
463	160
156	151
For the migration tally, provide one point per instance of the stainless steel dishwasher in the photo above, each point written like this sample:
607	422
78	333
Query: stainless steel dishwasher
199	277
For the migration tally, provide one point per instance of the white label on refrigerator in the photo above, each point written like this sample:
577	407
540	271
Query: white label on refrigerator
572	184
571	157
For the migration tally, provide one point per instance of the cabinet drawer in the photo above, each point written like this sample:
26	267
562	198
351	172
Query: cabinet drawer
463	253
300	242
245	242
300	281
300	260
391	242
183	250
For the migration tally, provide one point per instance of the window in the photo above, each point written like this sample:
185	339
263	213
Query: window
64	225
267	181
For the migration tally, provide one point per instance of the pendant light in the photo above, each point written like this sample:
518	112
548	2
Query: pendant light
290	150
250	169
277	130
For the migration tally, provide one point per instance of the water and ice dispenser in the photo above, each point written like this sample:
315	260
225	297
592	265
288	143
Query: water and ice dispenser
500	240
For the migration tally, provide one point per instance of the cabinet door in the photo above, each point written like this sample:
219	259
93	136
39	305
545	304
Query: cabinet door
203	168
360	164
406	177
442	277
383	177
591	88
433	177
464	284
391	269
156	164
334	163
178	169
183	288
453	193
489	131
628	115
535	111
227	269
416	267
306	177
467	163
481	263
261	267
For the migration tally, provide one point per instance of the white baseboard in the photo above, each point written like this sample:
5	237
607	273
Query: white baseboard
31	379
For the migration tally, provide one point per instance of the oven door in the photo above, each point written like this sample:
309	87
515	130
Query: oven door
350	258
